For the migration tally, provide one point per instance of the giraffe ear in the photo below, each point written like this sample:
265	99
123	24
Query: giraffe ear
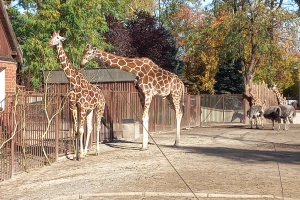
88	46
94	48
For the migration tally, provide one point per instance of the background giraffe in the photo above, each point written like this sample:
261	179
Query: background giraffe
256	111
287	111
255	100
84	97
280	99
150	80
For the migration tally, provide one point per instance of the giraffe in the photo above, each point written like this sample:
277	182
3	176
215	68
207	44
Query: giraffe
255	100
280	99
150	80
85	98
256	111
287	111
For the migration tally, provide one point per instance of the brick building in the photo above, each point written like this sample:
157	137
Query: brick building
10	56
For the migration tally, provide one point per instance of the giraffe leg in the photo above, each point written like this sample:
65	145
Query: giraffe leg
146	122
73	109
99	116
179	114
175	103
81	129
89	119
145	130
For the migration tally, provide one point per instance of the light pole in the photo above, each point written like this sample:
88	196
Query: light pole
296	69
298	94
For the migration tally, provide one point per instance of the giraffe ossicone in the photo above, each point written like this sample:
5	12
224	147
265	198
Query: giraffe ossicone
85	98
151	80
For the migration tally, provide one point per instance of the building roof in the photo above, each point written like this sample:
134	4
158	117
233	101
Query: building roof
97	75
16	51
93	75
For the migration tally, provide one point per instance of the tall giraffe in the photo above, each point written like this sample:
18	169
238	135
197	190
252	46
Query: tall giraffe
84	97
256	111
280	99
287	111
254	98
150	80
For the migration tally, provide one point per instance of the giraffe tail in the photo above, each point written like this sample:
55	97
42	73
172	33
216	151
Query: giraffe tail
104	122
182	100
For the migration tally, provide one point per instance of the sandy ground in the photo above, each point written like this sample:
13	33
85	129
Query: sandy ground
218	162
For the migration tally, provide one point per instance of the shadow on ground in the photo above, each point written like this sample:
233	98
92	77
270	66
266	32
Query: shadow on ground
245	155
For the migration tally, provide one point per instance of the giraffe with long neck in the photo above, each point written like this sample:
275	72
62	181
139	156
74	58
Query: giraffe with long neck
150	80
256	110
287	111
256	101
85	98
279	96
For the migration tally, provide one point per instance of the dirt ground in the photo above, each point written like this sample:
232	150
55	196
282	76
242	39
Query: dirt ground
213	162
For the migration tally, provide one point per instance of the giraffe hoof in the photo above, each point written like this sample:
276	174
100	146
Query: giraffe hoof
143	148
82	155
176	144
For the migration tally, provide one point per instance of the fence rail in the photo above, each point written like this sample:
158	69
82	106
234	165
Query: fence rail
41	128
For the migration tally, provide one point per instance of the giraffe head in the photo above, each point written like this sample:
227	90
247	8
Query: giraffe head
55	39
273	86
88	54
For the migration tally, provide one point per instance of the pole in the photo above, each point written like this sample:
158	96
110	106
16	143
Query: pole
298	93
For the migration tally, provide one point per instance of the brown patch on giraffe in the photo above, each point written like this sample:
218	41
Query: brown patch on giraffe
114	61
110	57
121	62
138	63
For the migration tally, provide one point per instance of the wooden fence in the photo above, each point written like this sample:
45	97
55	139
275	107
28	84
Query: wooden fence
39	129
36	129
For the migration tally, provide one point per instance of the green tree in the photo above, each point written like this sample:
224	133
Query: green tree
80	22
229	79
256	34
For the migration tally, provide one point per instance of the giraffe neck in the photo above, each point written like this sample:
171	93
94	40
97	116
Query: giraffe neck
255	101
68	68
278	96
137	66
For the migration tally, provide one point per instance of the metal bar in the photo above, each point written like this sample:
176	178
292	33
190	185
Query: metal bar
12	146
56	129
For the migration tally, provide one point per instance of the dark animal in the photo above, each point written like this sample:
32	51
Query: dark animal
273	113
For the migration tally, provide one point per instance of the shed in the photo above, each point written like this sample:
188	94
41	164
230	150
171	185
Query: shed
10	56
106	78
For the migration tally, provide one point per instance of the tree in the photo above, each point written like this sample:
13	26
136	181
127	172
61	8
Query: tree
256	34
229	79
80	21
198	45
119	37
153	41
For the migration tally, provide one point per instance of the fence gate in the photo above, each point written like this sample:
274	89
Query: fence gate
221	109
